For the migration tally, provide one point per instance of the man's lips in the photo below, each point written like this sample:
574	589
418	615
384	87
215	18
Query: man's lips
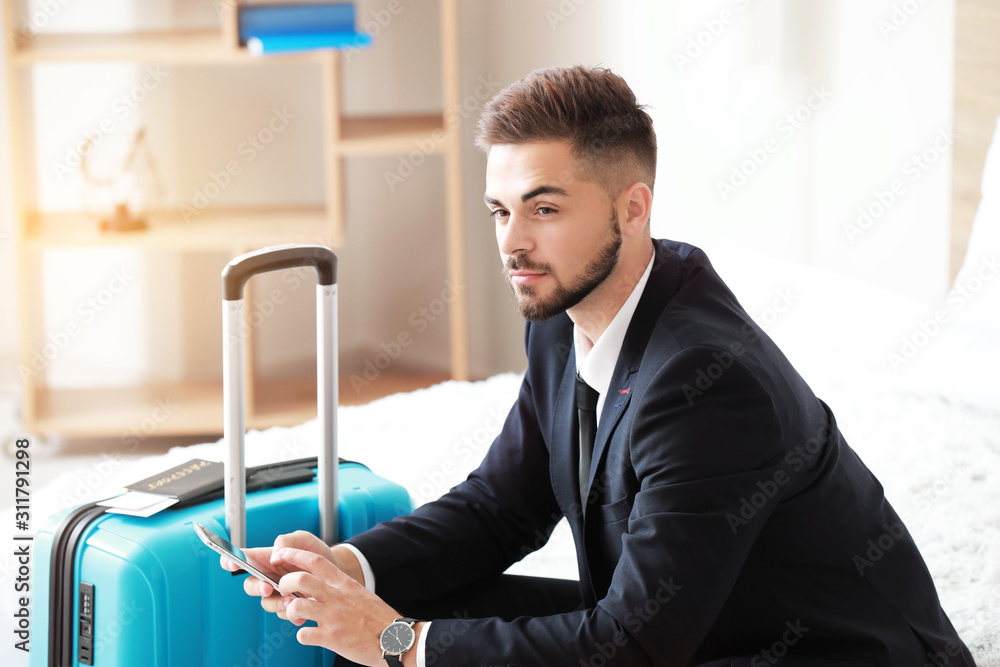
525	277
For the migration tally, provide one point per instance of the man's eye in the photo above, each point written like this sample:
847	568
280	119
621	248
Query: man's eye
499	214
545	210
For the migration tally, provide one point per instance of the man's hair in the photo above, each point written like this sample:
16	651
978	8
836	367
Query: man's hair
612	136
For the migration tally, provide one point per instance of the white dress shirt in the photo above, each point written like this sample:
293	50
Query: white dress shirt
595	362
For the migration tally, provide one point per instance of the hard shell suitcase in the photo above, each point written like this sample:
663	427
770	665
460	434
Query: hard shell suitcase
118	591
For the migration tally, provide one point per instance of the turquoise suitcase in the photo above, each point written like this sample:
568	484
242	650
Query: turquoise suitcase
119	591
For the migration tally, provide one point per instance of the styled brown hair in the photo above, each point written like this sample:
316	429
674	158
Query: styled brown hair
593	108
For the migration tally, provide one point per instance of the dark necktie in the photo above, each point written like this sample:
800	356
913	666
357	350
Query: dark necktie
586	406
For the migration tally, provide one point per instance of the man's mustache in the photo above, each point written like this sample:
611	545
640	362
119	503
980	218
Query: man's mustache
523	263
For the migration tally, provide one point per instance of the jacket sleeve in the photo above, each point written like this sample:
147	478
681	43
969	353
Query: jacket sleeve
504	510
697	456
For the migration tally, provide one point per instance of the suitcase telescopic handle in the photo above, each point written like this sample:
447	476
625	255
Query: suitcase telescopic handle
234	279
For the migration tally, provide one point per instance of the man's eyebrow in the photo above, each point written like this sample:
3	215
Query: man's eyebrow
543	190
528	196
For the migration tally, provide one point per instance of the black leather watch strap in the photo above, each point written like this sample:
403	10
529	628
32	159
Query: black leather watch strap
393	660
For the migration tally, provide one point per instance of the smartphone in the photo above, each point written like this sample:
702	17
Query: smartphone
223	547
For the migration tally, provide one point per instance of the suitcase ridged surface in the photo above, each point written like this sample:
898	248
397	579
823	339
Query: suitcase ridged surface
160	597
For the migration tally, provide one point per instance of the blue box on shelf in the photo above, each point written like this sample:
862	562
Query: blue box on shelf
288	28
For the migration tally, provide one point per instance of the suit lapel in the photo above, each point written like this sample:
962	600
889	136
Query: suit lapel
660	288
565	451
615	403
565	465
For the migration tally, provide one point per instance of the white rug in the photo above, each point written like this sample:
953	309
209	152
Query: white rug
939	462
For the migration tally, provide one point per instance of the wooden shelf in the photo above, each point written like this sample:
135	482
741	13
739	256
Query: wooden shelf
209	230
194	409
190	409
370	135
168	48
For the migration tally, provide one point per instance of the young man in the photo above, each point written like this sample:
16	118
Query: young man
719	516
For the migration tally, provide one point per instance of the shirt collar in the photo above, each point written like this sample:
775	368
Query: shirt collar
596	364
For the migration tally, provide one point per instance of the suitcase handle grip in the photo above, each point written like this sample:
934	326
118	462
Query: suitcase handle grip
240	270
234	279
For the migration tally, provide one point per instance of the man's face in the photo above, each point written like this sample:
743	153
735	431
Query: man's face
559	236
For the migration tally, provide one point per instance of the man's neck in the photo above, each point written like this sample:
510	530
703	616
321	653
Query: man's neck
593	315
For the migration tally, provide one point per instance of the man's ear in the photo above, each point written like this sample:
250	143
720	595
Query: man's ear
637	200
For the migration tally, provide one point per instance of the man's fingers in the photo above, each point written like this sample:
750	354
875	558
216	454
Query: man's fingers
305	585
276	605
227	564
314	576
300	539
254	586
300	610
306	561
311	636
258	554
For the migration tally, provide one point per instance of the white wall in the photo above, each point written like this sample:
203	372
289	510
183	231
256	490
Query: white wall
885	147
861	105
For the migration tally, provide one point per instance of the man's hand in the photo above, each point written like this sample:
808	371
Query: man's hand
343	558
349	617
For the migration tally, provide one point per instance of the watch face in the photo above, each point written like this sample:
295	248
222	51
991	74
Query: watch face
396	638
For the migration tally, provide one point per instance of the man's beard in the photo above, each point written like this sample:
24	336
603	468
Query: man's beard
564	297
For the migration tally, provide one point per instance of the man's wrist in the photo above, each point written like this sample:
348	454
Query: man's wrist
409	658
347	561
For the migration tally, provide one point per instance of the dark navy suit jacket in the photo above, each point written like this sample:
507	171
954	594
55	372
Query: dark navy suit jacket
726	517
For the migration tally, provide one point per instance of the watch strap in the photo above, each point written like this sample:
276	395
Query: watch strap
393	660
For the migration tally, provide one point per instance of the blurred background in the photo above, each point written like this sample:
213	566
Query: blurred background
830	133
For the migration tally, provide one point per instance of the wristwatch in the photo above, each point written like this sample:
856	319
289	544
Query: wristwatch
397	639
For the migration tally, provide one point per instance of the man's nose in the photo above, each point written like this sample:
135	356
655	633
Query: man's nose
514	238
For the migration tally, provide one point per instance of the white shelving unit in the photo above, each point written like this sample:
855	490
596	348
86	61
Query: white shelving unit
99	412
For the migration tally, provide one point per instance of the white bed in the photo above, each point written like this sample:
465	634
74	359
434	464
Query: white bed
928	426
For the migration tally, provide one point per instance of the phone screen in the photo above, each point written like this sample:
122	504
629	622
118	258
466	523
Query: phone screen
223	547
